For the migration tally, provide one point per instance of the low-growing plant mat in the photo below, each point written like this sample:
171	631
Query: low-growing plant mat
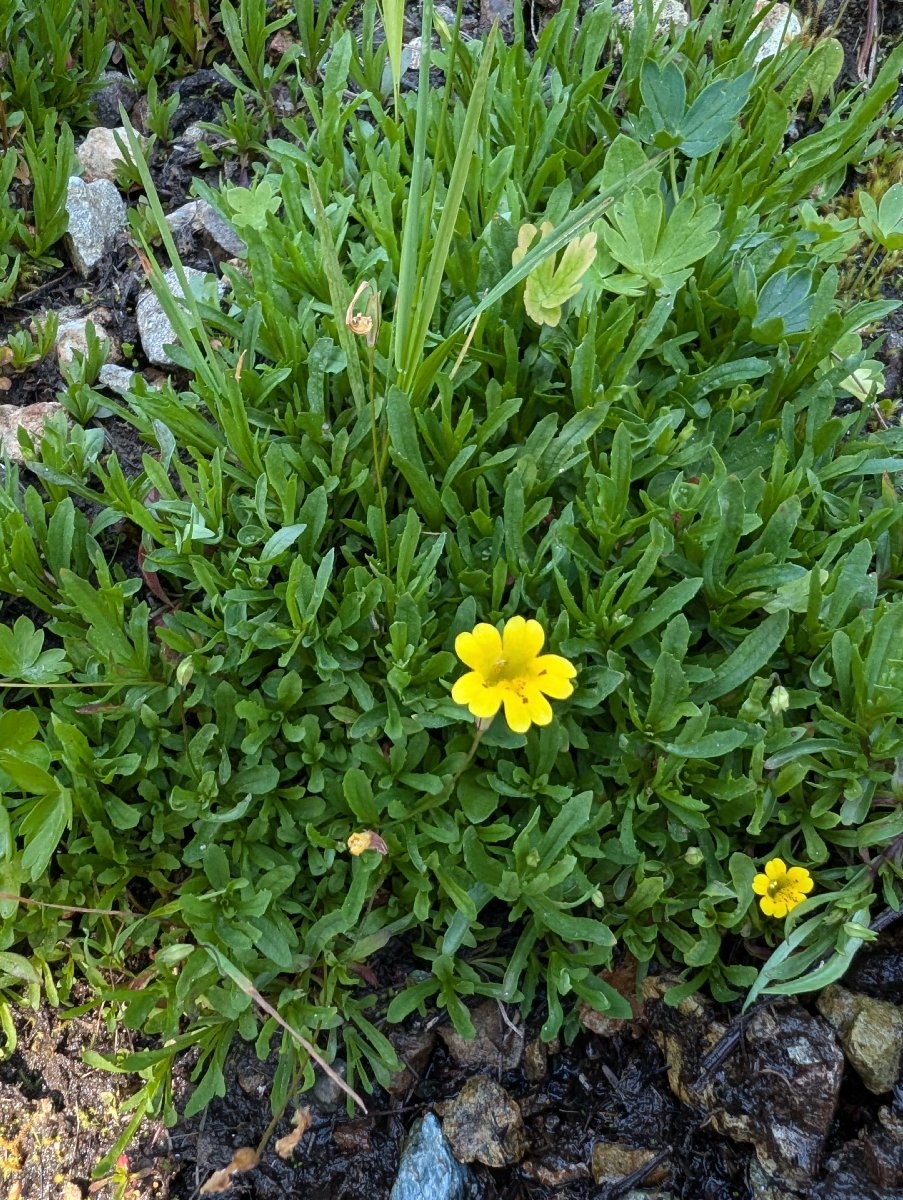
231	609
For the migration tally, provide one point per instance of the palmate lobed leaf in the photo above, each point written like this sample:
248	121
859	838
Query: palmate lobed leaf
23	658
640	238
554	281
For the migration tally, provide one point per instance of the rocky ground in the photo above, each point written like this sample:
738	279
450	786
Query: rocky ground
699	1103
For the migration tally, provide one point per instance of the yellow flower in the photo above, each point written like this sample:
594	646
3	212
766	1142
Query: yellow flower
507	669
781	887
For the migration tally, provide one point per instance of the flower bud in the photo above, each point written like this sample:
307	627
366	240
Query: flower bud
694	857
780	700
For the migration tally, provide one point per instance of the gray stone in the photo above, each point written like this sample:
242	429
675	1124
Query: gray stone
497	10
782	25
326	1092
483	1124
669	14
31	418
197	216
96	213
763	1187
871	1033
428	1170
154	327
117	89
115	379
414	1047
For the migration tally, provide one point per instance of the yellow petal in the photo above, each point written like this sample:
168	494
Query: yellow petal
555	665
479	649
539	708
471	691
775	869
517	712
521	642
800	879
760	885
767	905
553	679
781	908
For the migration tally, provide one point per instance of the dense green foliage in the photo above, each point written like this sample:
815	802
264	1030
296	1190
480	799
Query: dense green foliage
251	641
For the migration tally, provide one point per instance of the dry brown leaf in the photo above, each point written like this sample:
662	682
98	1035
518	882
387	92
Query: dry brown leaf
285	1146
244	1159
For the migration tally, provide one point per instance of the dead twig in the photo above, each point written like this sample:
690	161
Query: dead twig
868	51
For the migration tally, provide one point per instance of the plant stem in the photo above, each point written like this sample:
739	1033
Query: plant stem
377	465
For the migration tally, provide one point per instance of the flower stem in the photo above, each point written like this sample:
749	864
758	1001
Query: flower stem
449	788
474	745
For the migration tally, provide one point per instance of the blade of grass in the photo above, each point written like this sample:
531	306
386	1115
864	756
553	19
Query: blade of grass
242	981
412	232
412	351
339	294
393	23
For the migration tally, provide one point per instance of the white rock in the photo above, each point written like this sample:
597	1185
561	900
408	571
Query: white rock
96	215
99	154
782	25
115	379
668	14
72	336
154	327
31	417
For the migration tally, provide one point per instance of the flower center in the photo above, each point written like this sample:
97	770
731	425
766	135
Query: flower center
774	888
498	672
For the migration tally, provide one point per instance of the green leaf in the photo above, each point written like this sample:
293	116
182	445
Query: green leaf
753	654
883	222
359	796
279	542
17	728
19	968
712	116
41	830
660	252
216	867
571	820
405	452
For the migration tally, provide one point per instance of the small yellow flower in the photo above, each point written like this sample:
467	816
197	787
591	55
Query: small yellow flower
507	669
368	840
781	887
